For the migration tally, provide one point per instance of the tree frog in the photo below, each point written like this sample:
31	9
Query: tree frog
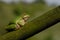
18	23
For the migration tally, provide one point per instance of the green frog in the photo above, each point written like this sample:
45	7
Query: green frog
20	22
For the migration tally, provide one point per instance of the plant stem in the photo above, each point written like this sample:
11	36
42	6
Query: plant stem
42	22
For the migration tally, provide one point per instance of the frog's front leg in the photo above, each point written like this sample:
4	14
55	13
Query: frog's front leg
18	26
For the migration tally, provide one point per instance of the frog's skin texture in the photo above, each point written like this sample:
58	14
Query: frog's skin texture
18	24
21	21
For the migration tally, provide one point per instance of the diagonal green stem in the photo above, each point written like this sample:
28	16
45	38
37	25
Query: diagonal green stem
34	26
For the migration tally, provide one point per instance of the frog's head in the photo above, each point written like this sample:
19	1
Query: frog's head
26	17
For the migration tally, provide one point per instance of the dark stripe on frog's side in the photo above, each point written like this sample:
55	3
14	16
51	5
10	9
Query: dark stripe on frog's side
11	23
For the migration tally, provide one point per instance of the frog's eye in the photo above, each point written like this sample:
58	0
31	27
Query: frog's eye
26	16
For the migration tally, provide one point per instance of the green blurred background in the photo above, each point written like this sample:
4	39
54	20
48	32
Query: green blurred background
7	14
